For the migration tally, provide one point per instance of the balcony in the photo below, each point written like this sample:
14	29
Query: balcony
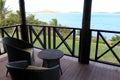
50	37
72	70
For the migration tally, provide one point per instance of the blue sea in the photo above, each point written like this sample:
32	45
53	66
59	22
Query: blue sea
102	21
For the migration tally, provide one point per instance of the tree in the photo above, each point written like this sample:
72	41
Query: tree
115	38
3	12
32	20
13	18
54	22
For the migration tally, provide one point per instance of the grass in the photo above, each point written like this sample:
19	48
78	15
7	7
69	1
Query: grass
109	57
62	47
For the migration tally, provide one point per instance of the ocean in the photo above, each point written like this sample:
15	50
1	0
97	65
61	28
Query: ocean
101	21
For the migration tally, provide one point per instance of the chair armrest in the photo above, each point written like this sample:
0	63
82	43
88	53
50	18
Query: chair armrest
32	67
18	64
30	50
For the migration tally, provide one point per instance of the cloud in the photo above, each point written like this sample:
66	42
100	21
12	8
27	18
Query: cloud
66	5
106	6
12	4
55	5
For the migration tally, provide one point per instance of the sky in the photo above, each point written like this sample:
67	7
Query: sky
65	5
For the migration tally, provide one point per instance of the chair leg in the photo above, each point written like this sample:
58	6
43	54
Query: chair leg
6	73
33	59
60	69
49	63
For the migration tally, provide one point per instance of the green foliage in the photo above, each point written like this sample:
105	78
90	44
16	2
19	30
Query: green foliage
54	22
78	32
13	18
64	32
31	20
3	12
94	39
115	38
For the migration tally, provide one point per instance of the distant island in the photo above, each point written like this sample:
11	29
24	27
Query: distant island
44	11
50	11
47	11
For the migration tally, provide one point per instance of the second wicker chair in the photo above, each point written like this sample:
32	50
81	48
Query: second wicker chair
19	71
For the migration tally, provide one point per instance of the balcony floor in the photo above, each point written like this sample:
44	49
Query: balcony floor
72	70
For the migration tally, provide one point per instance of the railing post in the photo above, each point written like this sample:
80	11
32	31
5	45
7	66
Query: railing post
17	32
49	38
74	39
44	37
54	38
85	38
30	33
2	32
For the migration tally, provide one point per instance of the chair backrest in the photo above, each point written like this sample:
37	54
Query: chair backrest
14	48
16	42
18	72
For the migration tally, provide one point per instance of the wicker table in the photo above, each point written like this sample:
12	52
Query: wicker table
51	57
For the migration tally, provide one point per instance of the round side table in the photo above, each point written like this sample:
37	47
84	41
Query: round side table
51	57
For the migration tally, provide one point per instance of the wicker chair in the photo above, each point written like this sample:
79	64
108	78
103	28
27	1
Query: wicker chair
19	71
18	49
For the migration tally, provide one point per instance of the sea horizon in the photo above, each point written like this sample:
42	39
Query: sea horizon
99	20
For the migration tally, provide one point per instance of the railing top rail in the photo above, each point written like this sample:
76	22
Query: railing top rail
10	26
39	25
73	28
105	31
